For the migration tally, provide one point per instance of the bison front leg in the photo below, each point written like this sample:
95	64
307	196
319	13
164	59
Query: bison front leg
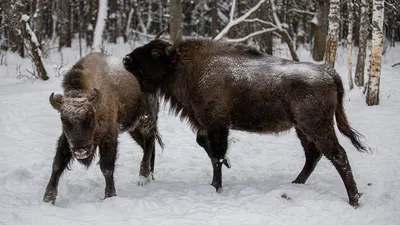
218	139
108	155
147	142
60	162
202	140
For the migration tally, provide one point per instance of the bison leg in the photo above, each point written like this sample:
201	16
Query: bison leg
60	162
108	155
147	142
313	155
327	142
202	140
218	139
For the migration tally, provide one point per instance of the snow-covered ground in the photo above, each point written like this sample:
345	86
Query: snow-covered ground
262	166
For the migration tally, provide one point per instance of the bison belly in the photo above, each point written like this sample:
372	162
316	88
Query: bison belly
260	117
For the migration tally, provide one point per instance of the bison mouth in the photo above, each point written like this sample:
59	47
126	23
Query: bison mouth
82	152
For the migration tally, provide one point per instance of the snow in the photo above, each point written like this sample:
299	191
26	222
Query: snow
257	189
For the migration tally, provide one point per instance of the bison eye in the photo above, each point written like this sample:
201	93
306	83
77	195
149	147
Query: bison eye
155	54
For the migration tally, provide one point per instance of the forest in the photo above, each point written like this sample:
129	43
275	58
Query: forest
31	27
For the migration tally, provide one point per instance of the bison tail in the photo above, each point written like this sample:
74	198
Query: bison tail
340	115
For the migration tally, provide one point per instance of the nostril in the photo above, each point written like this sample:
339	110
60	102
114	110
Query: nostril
127	59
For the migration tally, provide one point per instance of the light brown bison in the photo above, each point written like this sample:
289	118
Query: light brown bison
220	86
101	99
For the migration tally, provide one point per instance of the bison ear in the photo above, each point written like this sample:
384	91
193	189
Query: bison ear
56	101
94	96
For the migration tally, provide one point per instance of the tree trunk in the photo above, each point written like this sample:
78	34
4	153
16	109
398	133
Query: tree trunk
362	44
372	97
350	43
333	36
214	18
320	30
176	18
100	24
64	15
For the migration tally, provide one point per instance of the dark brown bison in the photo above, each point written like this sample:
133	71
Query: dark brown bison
219	86
101	99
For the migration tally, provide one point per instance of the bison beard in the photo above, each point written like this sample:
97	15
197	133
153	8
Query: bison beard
101	99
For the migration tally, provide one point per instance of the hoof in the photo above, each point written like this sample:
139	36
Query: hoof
49	199
144	180
110	194
218	188
355	202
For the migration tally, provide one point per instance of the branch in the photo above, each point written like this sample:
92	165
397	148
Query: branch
251	35
396	64
238	20
276	18
261	21
232	10
301	11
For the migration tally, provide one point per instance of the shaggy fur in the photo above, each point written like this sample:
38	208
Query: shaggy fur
101	99
219	86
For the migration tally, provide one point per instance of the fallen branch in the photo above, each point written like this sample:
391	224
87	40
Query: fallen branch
396	64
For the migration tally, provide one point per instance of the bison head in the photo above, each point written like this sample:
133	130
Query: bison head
152	62
78	117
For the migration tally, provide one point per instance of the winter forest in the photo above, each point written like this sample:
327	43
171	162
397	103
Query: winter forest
40	41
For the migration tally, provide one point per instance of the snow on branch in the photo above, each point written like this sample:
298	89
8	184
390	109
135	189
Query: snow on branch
233	22
301	11
252	35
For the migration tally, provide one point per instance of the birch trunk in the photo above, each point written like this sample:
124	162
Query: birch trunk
350	43
100	24
372	97
333	32
362	46
176	17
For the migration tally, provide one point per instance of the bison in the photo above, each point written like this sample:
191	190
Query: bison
101	99
220	86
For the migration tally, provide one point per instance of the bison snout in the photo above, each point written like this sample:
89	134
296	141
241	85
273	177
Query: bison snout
81	153
127	60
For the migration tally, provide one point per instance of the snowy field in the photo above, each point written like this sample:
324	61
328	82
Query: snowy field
262	166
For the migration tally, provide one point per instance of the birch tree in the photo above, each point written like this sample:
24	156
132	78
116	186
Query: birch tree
372	97
175	21
333	33
350	43
362	44
100	24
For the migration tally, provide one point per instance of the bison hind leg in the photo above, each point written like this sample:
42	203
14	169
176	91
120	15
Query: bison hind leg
313	155
322	134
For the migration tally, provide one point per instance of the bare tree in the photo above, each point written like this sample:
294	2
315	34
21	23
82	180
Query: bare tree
320	21
362	44
175	22
100	24
372	97
333	32
350	9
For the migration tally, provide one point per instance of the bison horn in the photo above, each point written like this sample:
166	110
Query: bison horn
177	40
55	102
160	33
95	96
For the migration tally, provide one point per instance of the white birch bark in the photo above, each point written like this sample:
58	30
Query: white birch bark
350	43
101	21
333	32
372	97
